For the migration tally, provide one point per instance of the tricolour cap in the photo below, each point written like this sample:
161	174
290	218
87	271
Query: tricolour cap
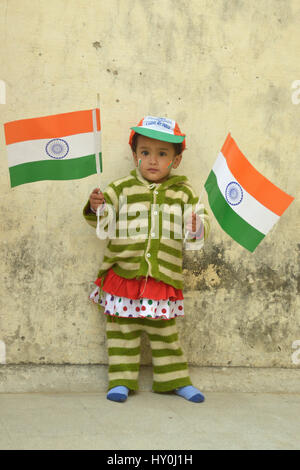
159	128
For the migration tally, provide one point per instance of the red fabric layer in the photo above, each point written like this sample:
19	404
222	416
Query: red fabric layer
137	288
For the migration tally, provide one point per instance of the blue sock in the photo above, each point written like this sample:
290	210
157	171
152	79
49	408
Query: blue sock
191	393
119	393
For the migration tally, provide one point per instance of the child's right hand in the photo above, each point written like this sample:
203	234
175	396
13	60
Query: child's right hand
96	198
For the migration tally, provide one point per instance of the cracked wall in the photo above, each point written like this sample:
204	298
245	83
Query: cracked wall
216	67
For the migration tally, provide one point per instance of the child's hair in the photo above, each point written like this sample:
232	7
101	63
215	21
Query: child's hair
177	147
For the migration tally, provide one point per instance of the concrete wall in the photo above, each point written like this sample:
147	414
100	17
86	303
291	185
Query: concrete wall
216	67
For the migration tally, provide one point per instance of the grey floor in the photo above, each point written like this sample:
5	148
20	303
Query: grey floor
149	421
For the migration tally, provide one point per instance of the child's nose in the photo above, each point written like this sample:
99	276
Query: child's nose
153	158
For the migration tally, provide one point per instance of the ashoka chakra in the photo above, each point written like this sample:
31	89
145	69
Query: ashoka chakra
234	193
57	148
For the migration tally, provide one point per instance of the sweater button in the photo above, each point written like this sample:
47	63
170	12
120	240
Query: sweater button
155	192
148	255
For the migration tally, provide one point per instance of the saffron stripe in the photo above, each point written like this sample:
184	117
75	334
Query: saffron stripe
253	181
48	127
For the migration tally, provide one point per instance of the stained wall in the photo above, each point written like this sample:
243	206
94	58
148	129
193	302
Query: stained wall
215	67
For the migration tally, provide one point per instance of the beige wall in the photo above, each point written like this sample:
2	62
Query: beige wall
214	66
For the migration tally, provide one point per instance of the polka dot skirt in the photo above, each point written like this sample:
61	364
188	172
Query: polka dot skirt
137	308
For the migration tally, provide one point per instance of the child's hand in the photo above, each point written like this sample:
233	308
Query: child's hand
194	224
96	198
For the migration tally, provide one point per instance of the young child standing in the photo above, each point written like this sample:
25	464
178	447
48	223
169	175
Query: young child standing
140	280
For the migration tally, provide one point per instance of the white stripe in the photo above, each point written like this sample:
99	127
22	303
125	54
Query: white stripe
170	274
113	196
250	209
124	359
170	258
80	145
150	122
177	195
173	244
128	265
122	241
125	254
133	189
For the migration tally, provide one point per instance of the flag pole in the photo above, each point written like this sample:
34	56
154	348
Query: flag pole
186	234
100	150
98	156
96	139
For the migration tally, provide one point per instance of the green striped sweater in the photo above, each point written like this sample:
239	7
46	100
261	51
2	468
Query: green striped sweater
149	228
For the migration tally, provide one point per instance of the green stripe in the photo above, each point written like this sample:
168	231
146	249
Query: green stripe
171	201
164	339
133	247
166	352
120	335
107	200
229	220
170	250
123	367
134	259
135	198
170	368
124	351
129	231
74	168
170	266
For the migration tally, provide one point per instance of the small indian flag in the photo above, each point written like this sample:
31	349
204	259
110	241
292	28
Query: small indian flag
244	202
58	147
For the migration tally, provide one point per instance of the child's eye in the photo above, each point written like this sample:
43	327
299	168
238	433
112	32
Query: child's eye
145	152
162	154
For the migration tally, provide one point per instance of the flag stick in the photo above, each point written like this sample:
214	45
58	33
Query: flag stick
186	234
98	106
99	170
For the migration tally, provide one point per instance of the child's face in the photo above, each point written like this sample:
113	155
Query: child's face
155	158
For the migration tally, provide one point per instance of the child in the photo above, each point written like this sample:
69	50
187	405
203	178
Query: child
141	273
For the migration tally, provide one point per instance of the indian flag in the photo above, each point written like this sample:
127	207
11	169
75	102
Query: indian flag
57	147
244	202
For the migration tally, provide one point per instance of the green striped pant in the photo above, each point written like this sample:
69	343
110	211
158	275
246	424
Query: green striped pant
170	369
